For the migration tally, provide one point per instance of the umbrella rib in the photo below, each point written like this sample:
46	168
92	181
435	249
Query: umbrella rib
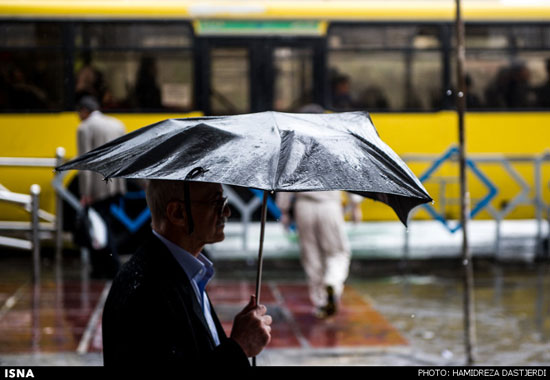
398	171
276	125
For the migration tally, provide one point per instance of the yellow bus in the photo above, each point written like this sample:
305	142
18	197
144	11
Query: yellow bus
151	60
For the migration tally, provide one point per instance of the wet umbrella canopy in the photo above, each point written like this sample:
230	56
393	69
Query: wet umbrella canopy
269	151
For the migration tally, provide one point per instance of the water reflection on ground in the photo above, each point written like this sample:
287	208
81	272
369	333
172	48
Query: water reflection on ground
419	315
512	313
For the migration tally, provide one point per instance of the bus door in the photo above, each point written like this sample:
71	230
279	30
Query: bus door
241	75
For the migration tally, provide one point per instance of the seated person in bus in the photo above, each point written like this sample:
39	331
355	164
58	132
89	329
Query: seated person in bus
89	81
147	92
495	93
543	92
23	94
373	98
519	91
510	88
341	97
472	100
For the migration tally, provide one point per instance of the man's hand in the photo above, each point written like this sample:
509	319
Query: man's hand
251	328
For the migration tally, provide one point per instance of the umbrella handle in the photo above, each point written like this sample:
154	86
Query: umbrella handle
261	255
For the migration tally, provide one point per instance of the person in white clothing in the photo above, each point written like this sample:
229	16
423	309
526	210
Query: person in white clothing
95	130
324	247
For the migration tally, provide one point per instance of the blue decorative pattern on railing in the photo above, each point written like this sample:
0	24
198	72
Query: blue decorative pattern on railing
479	206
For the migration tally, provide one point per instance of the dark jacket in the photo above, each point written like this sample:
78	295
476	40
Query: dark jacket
152	317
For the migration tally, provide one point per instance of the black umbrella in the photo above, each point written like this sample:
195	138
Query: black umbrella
270	151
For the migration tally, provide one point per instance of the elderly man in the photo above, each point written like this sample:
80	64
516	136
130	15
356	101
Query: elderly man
158	310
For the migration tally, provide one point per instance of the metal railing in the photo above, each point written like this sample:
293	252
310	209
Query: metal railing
30	203
52	225
476	162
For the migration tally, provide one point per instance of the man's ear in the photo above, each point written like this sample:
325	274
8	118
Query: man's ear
175	213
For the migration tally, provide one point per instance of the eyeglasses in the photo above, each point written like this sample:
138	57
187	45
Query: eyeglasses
219	204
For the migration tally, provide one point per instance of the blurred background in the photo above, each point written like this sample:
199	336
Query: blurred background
396	59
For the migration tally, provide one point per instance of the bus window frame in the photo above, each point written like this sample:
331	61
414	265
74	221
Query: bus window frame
139	49
444	48
62	49
509	52
68	50
258	47
447	49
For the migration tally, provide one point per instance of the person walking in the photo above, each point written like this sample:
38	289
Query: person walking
324	247
325	251
96	129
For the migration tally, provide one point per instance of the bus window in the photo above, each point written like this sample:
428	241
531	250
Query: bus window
506	66
135	66
539	67
31	67
137	80
385	67
229	82
133	35
533	43
293	79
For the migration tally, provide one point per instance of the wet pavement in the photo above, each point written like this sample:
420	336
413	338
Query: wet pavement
512	313
59	321
393	312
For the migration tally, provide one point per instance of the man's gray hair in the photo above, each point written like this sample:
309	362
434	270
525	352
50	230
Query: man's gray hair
159	193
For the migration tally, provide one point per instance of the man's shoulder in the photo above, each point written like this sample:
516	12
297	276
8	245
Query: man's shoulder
136	281
98	120
146	281
144	261
113	120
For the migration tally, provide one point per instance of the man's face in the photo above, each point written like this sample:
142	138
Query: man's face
209	215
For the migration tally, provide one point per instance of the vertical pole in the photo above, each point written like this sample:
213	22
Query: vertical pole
35	194
469	315
497	239
539	204
35	206
547	253
261	255
35	318
59	157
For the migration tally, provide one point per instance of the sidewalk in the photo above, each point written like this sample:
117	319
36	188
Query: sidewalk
388	240
63	328
59	323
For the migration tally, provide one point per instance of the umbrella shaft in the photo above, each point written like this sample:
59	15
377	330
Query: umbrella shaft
260	256
261	249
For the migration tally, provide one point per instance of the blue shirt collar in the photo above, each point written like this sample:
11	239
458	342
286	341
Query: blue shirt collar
198	269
